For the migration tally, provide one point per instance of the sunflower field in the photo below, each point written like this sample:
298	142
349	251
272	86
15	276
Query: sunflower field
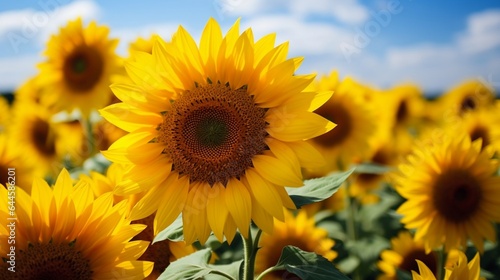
211	158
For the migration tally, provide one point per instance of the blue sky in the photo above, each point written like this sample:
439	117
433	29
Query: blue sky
435	44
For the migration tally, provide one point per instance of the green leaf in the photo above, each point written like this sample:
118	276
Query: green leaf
232	269
372	168
318	189
403	275
307	265
174	232
195	266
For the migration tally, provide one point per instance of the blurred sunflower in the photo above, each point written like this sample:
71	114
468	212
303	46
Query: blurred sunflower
64	233
481	124
10	158
452	193
38	138
79	66
299	231
364	184
467	96
29	91
5	116
142	45
460	271
403	255
405	103
356	125
162	252
216	131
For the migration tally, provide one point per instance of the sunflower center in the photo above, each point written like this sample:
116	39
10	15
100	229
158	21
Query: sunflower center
340	116
468	103
213	132
480	132
43	138
402	112
52	261
409	261
381	158
83	68
457	195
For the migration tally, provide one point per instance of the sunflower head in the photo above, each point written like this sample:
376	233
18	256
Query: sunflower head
80	62
216	130
142	44
299	231
452	193
62	232
356	124
467	96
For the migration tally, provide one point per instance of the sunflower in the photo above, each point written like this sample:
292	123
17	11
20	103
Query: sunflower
215	131
481	124
403	255
299	231
142	44
38	139
63	232
452	193
468	96
461	270
162	252
405	103
80	63
364	184
356	125
5	116
11	159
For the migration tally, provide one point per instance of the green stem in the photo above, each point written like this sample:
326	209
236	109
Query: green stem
441	263
352	209
89	135
251	247
267	271
248	269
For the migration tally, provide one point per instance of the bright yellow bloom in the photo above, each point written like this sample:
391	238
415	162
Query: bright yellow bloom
356	125
63	232
452	193
79	66
5	116
162	252
143	45
460	271
299	231
467	96
11	158
215	131
37	138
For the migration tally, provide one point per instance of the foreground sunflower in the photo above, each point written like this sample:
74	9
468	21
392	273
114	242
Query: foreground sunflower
80	64
452	193
64	233
162	253
215	131
299	231
460	270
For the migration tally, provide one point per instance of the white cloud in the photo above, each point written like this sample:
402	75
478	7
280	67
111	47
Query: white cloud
482	32
21	27
305	37
13	77
345	11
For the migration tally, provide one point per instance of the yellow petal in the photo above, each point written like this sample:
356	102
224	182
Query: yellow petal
217	211
129	118
265	194
172	200
276	171
295	126
239	204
